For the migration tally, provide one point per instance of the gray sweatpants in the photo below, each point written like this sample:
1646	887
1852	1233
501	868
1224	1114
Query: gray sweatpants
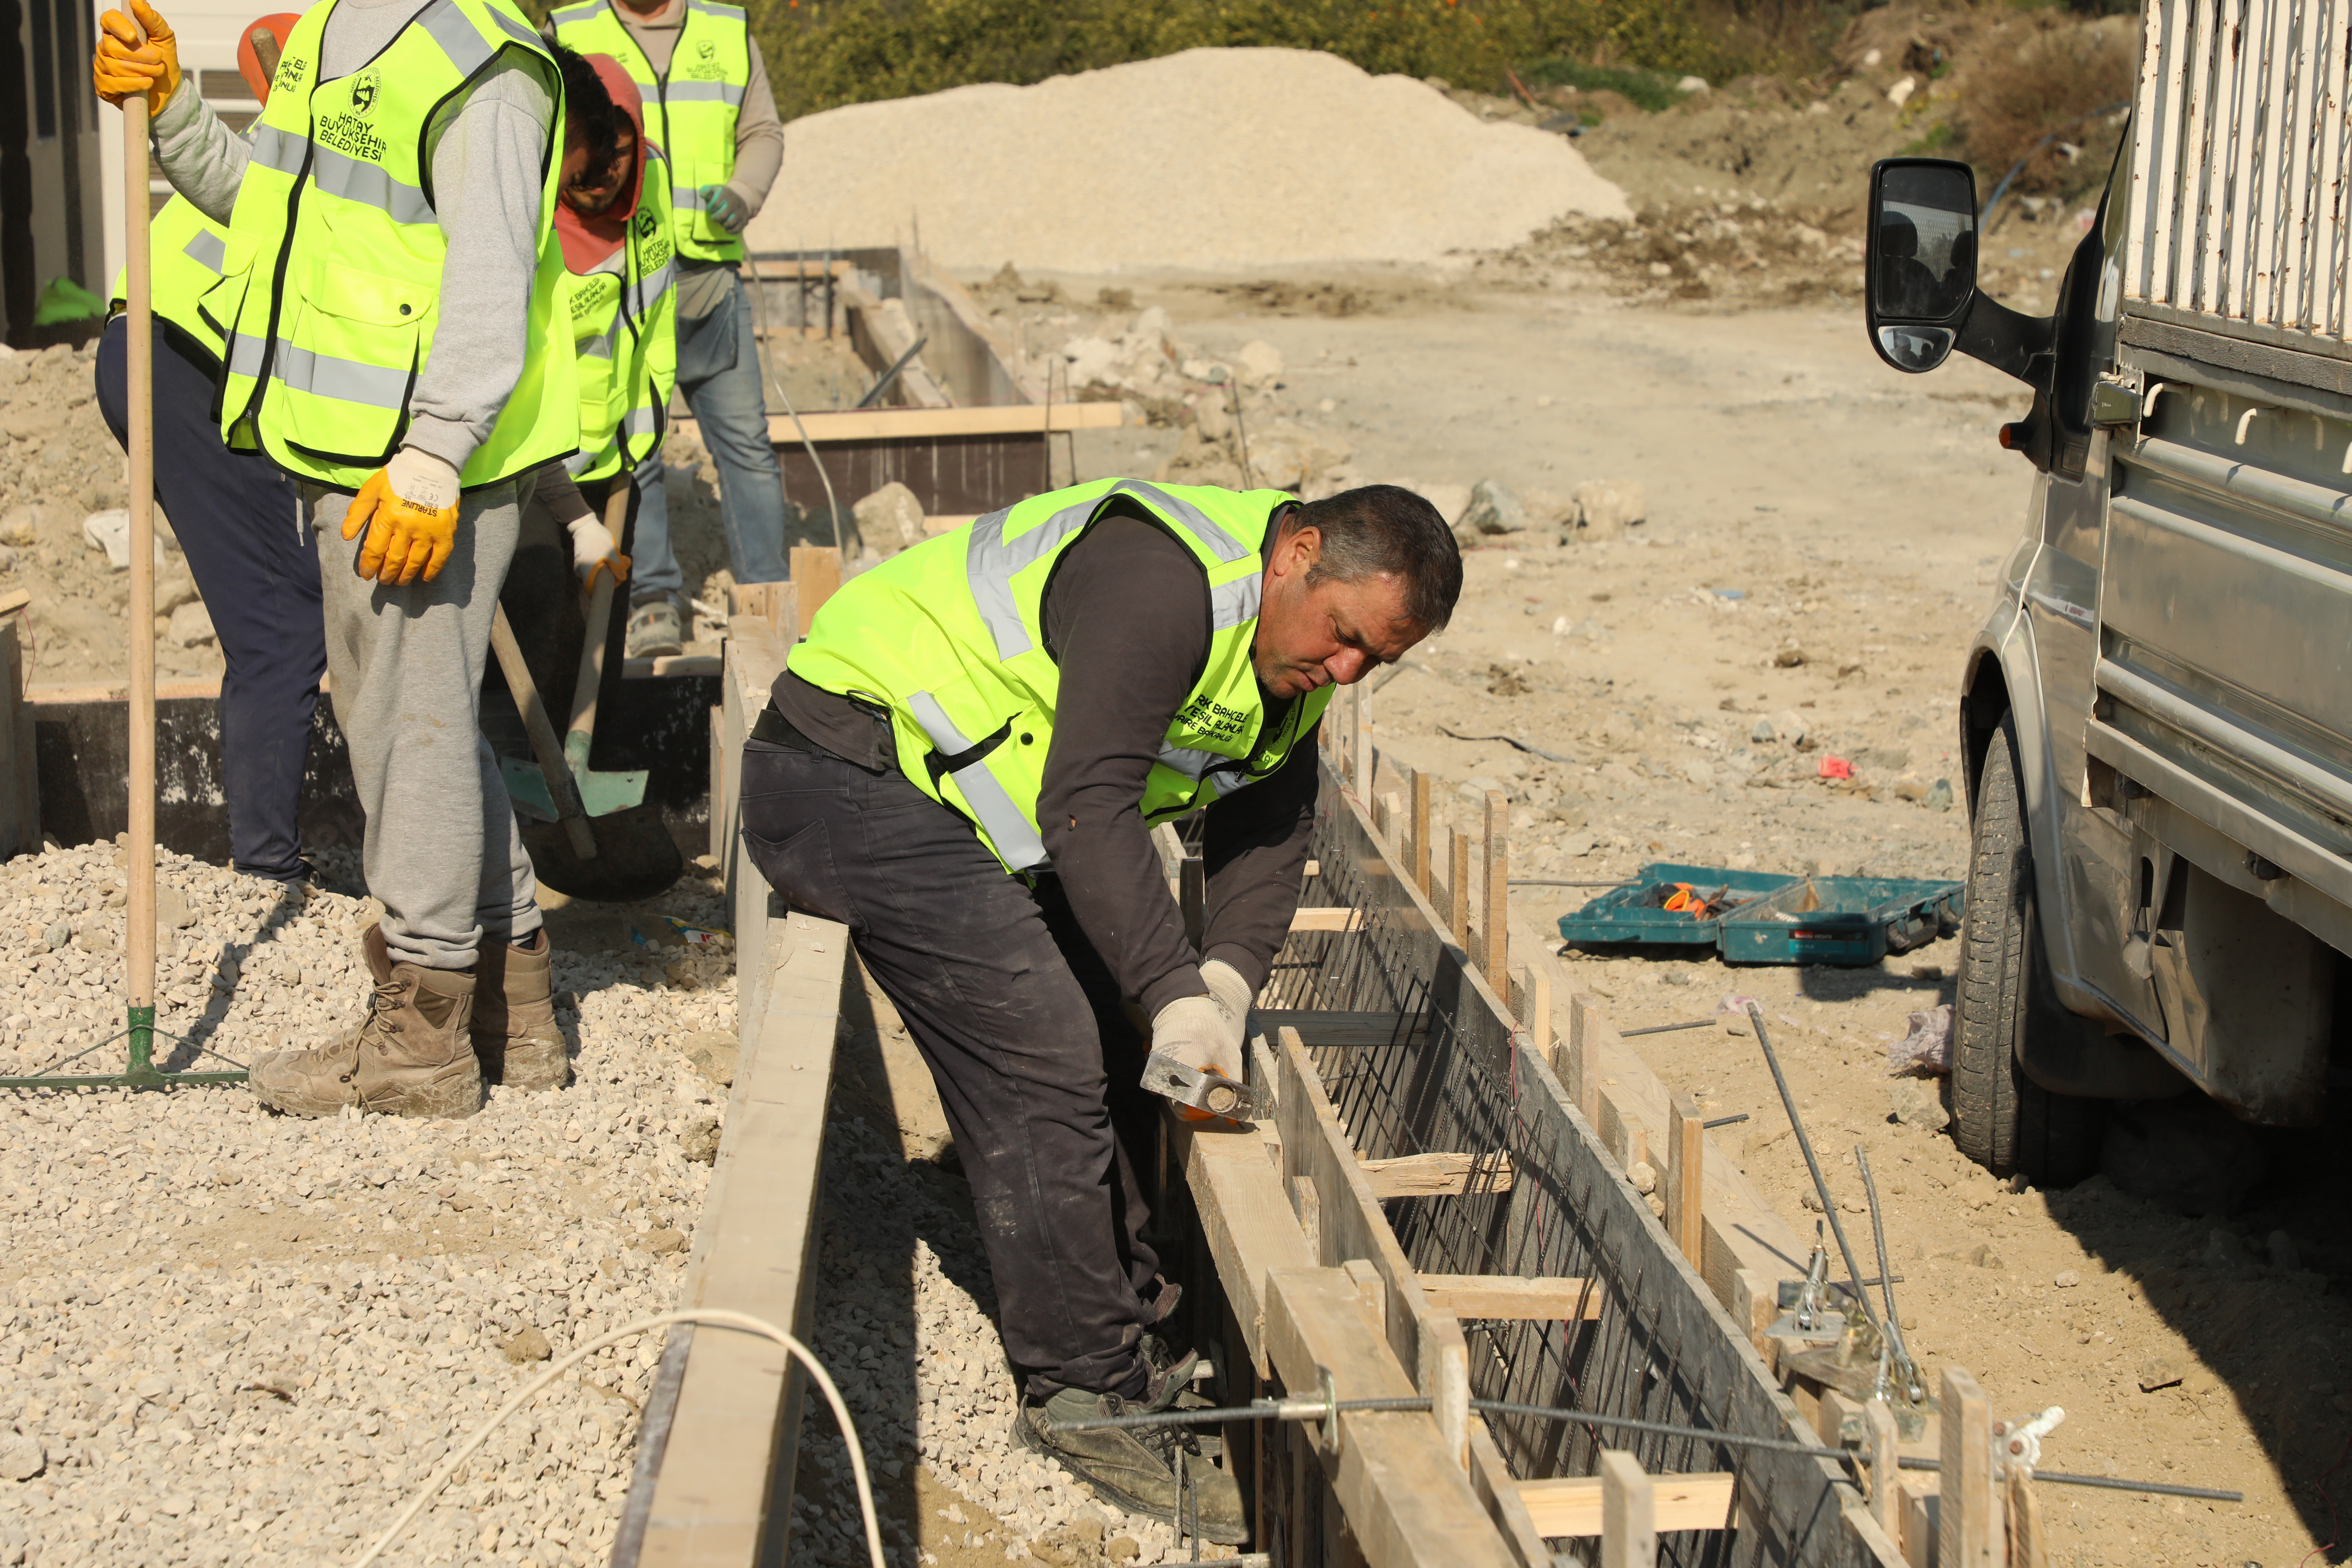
404	668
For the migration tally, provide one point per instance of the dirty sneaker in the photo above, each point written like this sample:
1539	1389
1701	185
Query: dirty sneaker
1134	1467
409	1057
654	631
513	1025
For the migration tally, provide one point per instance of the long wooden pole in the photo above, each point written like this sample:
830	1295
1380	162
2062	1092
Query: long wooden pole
139	871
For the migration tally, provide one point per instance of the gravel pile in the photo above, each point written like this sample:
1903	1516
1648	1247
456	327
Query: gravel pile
905	1323
226	1335
1208	159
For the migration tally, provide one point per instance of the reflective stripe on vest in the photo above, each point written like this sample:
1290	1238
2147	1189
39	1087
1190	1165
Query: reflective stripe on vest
627	341
331	280
690	109
187	252
1017	844
949	635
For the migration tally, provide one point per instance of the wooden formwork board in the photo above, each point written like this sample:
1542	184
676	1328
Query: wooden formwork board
1795	1509
714	1469
723	1426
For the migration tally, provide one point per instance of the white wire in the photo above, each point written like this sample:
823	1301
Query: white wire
714	1316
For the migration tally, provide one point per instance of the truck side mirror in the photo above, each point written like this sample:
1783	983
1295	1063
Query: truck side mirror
1921	265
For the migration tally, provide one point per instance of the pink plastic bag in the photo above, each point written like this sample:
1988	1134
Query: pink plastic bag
1836	768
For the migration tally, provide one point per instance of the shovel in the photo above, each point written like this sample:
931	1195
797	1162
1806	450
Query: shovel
628	853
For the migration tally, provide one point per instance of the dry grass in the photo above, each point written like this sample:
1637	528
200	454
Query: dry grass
2044	82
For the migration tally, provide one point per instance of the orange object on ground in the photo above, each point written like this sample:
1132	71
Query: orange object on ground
1836	768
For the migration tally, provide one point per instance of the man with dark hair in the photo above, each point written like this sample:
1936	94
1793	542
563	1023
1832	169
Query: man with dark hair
962	765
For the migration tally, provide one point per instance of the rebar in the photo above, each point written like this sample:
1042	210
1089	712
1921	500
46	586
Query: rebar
1813	1164
1914	1387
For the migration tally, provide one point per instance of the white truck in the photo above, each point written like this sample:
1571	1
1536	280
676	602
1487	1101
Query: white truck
2158	714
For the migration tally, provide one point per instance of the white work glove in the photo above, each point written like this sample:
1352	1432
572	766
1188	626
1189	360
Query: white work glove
1206	1032
594	550
1234	997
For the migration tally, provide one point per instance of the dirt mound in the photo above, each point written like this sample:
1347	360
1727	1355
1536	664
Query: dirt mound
1210	159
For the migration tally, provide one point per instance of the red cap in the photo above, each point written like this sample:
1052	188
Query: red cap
280	26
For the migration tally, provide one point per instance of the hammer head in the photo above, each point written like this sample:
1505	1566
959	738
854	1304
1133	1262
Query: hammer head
1211	1093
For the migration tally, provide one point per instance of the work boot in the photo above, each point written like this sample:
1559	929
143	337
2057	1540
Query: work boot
1135	1467
514	1016
409	1057
654	631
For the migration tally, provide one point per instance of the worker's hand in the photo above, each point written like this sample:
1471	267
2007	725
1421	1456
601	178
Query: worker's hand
1197	1031
1232	996
594	551
409	507
124	66
726	206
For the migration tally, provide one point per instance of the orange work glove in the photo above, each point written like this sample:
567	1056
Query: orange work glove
409	507
123	65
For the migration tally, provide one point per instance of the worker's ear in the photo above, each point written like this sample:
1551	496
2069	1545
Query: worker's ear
1296	548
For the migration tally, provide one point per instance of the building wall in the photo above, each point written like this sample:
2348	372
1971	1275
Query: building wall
52	224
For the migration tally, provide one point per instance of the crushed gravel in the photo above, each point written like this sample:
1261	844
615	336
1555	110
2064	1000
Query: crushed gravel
226	1335
905	1317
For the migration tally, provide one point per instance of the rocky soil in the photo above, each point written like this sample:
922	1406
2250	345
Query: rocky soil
235	1336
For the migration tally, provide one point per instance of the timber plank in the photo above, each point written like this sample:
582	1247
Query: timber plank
1245	1219
1514	1297
1406	1506
726	1469
1572	1507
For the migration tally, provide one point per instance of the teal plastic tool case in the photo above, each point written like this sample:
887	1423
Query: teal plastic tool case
1775	919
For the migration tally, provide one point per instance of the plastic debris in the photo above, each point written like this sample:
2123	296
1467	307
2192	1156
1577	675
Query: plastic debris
1835	767
1927	1050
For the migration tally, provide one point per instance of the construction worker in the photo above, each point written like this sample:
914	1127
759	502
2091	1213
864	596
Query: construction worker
962	764
386	300
707	105
620	275
239	522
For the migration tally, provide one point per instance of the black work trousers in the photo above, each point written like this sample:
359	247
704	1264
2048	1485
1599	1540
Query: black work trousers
248	547
1037	1066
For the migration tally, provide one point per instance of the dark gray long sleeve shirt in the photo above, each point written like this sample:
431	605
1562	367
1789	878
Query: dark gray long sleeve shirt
1126	618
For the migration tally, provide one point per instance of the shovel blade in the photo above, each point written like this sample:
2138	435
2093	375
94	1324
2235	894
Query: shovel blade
636	856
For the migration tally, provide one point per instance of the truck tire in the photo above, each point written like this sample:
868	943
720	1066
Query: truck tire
2001	1119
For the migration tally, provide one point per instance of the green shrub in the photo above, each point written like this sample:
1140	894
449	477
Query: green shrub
1650	89
823	53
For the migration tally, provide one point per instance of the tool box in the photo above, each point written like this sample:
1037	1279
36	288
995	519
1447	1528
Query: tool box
1637	912
1763	917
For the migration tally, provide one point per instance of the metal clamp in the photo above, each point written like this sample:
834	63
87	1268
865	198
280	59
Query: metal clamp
1210	1091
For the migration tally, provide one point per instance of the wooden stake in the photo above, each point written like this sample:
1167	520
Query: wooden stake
816	578
1444	1378
1360	766
1879	1422
1685	1164
1421	833
1629	1513
1535	1012
1968	1525
139	868
1457	888
1496	891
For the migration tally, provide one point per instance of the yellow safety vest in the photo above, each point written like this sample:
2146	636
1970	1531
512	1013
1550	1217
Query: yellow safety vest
950	636
690	109
185	250
331	278
623	314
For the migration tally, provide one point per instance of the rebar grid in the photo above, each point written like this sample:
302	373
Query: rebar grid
1430	1089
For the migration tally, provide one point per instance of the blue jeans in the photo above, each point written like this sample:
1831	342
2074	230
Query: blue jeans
719	372
240	525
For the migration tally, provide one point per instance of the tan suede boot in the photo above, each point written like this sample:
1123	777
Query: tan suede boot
514	1016
409	1057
